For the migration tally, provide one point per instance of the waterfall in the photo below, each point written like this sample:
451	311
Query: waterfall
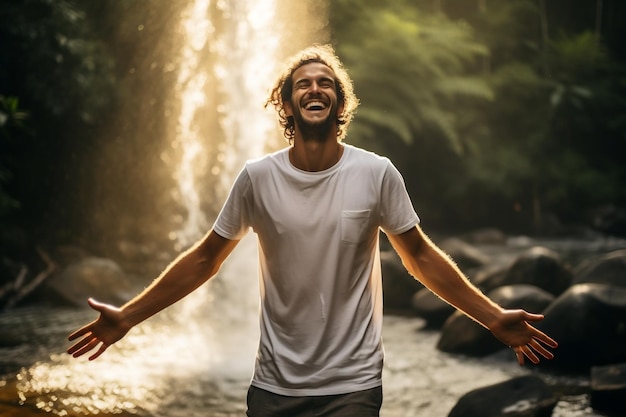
247	41
229	56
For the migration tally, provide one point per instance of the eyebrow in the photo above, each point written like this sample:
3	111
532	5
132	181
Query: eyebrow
323	78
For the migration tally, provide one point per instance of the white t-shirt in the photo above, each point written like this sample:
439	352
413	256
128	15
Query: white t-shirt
320	274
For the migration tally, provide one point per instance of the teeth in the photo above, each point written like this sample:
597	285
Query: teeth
315	104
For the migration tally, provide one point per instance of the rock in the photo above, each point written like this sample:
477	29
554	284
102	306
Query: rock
465	255
589	323
98	277
540	267
431	308
462	335
528	297
490	276
66	255
609	268
524	396
398	285
608	388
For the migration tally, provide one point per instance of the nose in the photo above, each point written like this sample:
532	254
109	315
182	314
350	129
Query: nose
315	87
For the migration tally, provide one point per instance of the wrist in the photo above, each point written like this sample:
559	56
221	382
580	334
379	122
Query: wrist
128	318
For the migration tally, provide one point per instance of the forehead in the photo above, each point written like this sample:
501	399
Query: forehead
313	70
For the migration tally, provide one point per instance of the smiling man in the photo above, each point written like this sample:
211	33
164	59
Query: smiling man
318	207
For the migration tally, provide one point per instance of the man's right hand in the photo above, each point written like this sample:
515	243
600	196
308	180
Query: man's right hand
101	333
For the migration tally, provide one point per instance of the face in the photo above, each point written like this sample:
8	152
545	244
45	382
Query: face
314	105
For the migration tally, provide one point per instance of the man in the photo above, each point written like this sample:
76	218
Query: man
317	207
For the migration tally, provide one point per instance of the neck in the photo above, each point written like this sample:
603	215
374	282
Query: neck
314	156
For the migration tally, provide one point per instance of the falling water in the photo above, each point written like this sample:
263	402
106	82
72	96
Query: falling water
247	43
192	80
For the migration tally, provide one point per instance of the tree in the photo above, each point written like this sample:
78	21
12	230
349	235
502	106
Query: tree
549	139
410	70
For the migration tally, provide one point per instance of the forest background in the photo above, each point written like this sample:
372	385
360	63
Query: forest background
507	114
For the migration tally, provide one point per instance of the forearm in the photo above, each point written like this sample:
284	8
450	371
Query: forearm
439	273
178	280
431	266
185	274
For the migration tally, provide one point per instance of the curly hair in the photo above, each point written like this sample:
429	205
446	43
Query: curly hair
281	93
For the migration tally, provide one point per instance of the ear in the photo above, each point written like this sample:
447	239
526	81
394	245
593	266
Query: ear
288	108
340	108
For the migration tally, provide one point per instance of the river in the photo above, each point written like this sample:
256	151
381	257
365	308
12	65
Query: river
155	373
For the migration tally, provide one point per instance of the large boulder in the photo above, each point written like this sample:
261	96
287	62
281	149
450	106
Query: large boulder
589	323
431	308
462	335
527	297
609	268
466	256
608	389
491	276
101	278
524	396
538	266
398	285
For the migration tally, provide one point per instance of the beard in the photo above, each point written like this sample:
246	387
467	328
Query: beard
316	131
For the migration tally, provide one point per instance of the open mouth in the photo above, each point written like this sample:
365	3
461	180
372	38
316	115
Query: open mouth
315	105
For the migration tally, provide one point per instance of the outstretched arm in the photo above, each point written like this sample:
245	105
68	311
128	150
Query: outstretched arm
426	262
190	270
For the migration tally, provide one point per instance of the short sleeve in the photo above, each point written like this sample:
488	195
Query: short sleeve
397	212
234	219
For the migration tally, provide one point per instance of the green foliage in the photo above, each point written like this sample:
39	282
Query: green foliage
68	72
546	117
11	116
532	123
410	71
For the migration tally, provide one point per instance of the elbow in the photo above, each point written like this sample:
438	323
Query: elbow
208	268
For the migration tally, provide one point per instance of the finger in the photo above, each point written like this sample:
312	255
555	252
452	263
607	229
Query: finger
80	344
520	356
539	335
541	350
99	352
546	339
96	305
530	354
80	332
532	316
85	346
88	347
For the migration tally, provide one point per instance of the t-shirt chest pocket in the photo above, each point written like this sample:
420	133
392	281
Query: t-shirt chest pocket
354	225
